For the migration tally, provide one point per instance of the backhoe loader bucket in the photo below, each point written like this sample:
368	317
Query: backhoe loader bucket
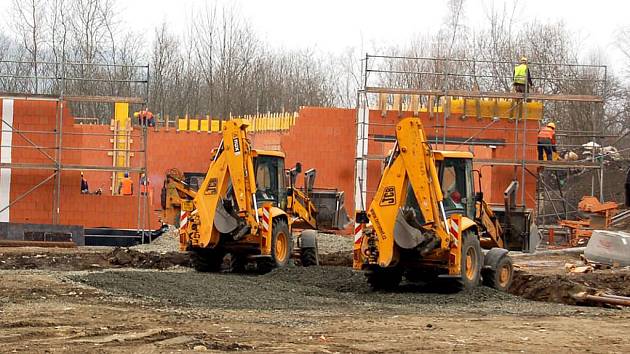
407	236
223	221
331	211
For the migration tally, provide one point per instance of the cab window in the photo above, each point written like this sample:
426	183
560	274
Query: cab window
270	180
454	184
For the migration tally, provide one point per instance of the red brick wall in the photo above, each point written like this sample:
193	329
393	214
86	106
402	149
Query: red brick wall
37	207
323	138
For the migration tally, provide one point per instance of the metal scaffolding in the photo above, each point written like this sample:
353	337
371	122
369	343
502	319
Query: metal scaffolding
81	84
408	83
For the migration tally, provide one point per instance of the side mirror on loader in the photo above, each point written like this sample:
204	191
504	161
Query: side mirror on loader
298	168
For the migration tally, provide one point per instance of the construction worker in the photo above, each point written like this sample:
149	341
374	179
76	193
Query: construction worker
84	185
138	115
145	117
522	79
547	141
150	120
144	184
126	185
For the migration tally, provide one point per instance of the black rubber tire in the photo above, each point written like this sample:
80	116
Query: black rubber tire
308	257
383	278
206	260
234	264
494	278
470	243
280	227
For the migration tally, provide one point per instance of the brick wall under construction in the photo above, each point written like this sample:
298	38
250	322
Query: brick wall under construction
321	138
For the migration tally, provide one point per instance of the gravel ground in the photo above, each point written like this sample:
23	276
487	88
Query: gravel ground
313	288
167	242
331	243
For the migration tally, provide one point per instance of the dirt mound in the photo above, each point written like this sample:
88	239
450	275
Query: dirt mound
562	288
82	260
127	257
53	261
549	288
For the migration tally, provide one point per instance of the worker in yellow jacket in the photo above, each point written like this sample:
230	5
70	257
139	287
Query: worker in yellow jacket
522	78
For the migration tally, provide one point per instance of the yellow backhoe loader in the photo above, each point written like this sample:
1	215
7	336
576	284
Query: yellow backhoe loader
425	222
178	188
245	208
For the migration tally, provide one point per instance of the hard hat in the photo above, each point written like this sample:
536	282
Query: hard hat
136	114
126	174
551	125
81	173
523	60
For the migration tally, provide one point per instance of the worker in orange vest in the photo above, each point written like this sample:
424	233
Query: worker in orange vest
145	117
126	185
144	184
150	120
547	141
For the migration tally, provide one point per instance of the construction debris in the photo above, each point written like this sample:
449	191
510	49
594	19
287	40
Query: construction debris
599	216
594	150
573	268
603	298
609	247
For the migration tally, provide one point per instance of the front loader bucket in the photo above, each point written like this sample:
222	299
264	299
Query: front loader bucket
331	211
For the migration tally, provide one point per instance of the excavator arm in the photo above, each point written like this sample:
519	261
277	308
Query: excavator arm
226	200
407	208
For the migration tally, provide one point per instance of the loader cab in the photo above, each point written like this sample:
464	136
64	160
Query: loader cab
454	169
270	183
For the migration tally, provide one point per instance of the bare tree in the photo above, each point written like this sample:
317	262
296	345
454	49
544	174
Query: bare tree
28	25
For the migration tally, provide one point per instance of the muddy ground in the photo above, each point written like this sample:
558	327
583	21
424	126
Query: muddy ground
104	300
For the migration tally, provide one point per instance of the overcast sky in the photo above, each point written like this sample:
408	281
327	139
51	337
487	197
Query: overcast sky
332	25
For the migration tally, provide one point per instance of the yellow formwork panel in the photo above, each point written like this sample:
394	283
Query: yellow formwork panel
193	125
121	145
182	124
204	124
214	126
285	123
488	108
121	113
